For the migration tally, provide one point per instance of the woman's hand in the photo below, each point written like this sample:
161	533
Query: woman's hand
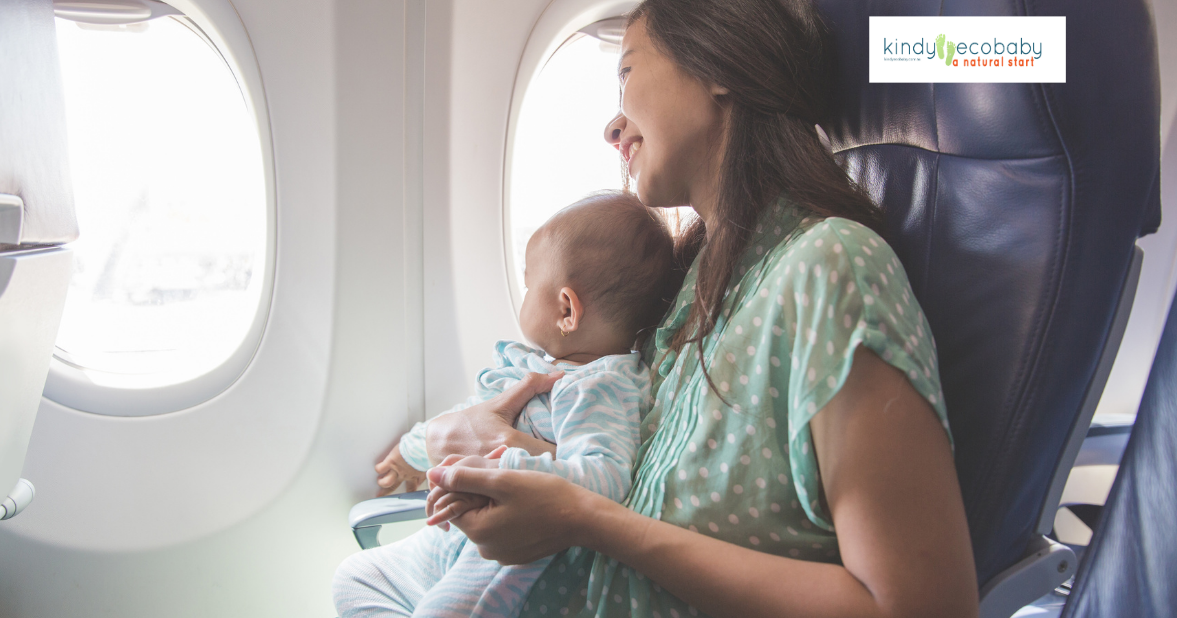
441	506
394	470
482	427
529	515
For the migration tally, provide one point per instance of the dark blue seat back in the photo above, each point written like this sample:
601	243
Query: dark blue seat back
1130	567
1015	209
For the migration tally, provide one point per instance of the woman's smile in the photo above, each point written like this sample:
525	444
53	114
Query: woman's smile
631	151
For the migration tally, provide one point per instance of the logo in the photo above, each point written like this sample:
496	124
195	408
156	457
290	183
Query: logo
940	49
968	49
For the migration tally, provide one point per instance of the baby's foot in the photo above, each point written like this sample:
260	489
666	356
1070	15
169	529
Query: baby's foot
951	51
940	46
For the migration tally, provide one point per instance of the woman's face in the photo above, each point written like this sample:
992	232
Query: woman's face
670	128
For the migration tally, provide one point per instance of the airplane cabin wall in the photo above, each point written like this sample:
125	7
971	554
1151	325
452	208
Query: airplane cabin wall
260	544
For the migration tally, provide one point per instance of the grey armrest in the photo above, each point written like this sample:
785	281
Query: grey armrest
1048	563
17	499
1045	565
1106	440
367	517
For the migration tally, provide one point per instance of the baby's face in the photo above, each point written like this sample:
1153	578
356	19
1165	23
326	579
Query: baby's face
541	312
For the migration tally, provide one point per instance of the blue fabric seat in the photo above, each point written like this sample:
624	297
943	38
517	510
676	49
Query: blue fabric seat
1130	566
1015	209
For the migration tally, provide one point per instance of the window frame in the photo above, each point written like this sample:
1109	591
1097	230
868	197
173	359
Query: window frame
106	393
560	21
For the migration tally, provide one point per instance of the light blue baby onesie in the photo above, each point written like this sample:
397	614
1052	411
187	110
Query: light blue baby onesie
592	415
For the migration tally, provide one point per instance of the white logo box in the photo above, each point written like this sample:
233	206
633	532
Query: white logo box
905	50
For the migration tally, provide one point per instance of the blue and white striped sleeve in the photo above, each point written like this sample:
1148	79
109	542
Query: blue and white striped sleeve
412	444
596	420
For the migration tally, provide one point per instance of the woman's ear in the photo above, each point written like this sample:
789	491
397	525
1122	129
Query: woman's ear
571	311
719	91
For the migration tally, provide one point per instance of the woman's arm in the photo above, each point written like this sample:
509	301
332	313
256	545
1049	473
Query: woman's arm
480	428
890	483
475	429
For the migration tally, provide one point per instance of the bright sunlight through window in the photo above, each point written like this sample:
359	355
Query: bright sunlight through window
170	195
560	154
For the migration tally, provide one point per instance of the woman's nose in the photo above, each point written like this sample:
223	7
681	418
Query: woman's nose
614	128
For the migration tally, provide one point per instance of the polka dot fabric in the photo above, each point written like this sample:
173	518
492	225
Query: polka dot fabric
736	461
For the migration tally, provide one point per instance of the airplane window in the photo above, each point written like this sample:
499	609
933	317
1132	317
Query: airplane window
559	154
169	189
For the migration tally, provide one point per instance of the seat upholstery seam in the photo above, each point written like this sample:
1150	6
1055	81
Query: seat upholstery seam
948	154
1031	365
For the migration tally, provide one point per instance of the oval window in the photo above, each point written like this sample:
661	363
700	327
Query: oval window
559	153
170	194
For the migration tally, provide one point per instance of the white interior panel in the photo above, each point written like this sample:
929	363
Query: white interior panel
188	514
468	302
173	478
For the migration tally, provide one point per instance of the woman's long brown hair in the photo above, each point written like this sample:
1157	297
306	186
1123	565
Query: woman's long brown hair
775	59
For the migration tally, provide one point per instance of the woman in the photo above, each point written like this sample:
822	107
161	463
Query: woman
796	381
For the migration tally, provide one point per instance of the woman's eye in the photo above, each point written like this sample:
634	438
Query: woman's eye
622	74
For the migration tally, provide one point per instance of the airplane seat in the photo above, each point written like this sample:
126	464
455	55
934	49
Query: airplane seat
36	220
1015	209
1130	565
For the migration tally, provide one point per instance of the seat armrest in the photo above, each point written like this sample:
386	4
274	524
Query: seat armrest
368	516
1106	440
1045	565
17	499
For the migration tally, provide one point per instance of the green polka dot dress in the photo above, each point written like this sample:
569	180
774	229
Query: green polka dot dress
739	464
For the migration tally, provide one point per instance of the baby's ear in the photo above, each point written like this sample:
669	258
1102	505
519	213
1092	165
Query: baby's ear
571	310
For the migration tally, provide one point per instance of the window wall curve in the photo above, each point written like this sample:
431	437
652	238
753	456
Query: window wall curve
174	193
566	92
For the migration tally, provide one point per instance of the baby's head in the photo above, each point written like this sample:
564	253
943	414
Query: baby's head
598	274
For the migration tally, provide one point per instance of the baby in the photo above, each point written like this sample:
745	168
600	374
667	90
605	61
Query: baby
599	275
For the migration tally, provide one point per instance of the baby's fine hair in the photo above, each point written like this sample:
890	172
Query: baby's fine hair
619	257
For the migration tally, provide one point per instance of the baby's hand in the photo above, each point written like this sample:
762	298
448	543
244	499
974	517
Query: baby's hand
442	506
452	505
394	470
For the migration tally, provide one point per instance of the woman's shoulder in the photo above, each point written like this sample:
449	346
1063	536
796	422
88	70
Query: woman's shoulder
831	237
835	244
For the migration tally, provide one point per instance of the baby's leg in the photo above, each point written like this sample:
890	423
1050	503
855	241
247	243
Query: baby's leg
474	586
391	580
